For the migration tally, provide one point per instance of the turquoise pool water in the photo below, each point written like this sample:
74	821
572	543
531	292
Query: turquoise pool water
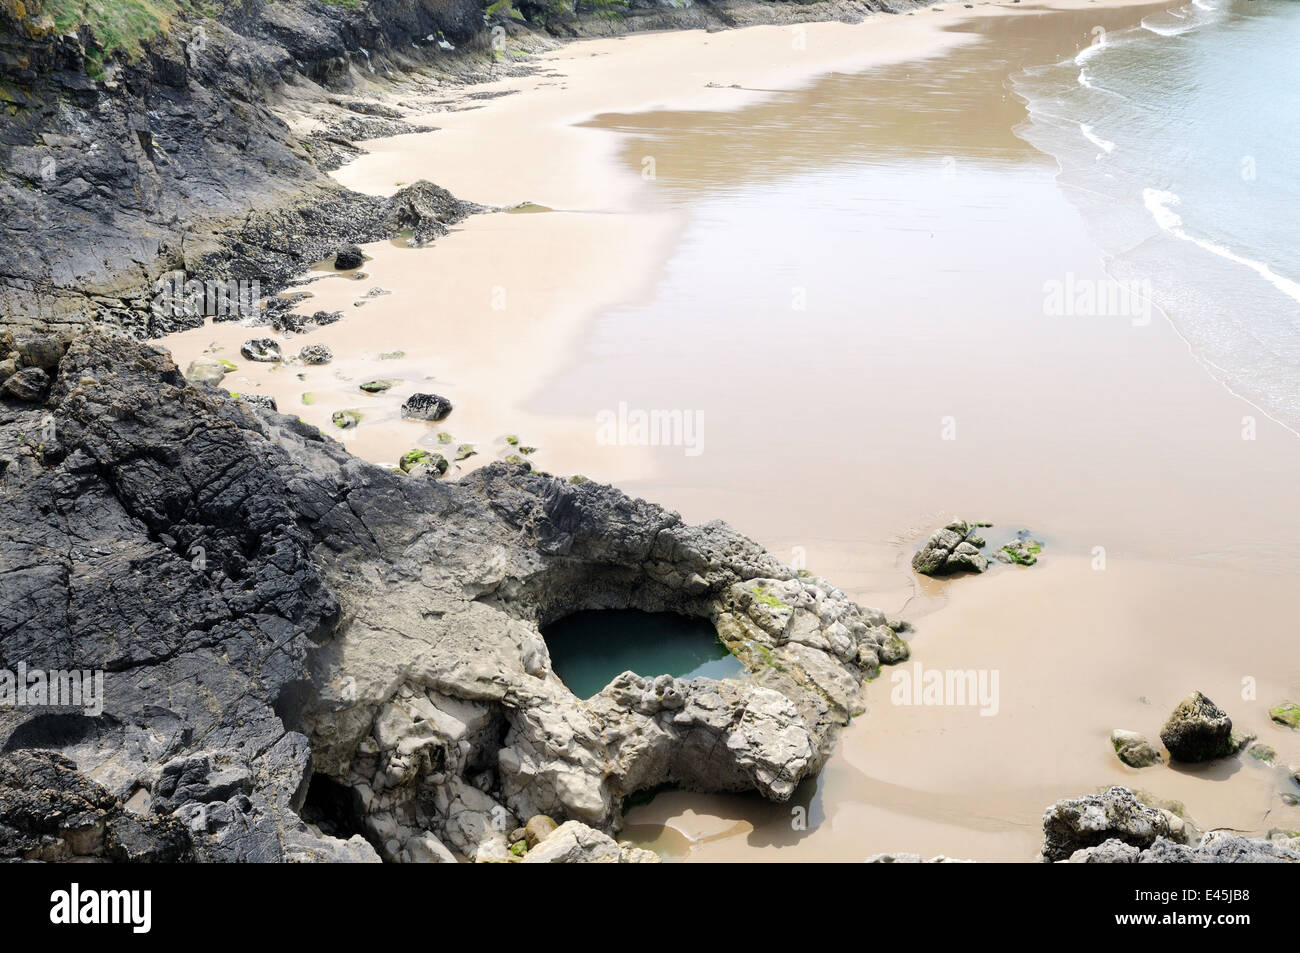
588	649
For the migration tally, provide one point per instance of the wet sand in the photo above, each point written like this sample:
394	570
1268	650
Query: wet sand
1078	652
884	189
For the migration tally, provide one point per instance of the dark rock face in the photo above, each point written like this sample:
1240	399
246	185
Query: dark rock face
348	257
1198	730
113	180
49	811
426	407
29	385
266	609
169	531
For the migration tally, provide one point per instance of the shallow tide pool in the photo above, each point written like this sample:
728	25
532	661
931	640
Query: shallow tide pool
589	649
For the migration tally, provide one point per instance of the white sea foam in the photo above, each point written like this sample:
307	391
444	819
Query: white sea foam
1191	17
1105	145
1160	30
1161	206
1087	53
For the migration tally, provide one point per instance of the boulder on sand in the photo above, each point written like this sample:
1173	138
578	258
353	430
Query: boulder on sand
426	407
1075	823
315	354
951	549
348	257
266	350
1134	749
1198	730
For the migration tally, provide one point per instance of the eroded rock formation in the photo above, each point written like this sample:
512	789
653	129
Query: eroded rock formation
310	657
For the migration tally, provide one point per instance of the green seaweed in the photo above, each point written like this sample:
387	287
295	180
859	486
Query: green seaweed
1287	714
769	600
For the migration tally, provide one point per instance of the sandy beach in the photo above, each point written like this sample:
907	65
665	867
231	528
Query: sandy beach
891	369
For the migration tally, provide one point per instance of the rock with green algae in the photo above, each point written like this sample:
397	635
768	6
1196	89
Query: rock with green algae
1287	714
538	828
768	599
1133	749
377	386
465	451
423	463
1262	752
517	460
1022	551
208	370
345	419
444	437
892	648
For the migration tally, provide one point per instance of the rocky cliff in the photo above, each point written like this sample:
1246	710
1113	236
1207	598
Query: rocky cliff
138	136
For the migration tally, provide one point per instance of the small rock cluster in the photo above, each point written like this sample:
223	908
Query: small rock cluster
955	548
1197	730
1117	827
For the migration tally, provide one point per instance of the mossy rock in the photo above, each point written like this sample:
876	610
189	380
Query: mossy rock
444	437
1263	753
309	398
413	458
465	451
519	848
1287	714
512	440
769	600
578	479
424	463
345	419
518	461
1023	552
377	386
894	650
